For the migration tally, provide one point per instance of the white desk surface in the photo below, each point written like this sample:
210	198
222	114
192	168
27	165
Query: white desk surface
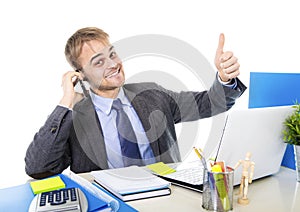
277	193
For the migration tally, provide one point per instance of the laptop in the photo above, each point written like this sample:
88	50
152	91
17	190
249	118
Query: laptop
258	131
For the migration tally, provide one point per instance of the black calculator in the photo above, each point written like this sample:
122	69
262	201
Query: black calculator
69	199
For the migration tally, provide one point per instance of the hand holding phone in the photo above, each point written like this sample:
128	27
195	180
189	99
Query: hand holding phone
84	90
69	79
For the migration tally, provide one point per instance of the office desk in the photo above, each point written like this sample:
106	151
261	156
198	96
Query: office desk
277	193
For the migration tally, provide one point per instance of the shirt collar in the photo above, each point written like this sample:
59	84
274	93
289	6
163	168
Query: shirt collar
105	104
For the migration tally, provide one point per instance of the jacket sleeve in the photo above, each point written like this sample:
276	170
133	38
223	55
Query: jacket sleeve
49	152
222	97
191	106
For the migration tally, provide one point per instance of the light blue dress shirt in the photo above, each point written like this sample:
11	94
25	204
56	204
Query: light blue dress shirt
231	84
107	117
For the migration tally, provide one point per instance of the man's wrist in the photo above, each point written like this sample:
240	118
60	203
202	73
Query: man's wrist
231	83
224	82
65	107
65	102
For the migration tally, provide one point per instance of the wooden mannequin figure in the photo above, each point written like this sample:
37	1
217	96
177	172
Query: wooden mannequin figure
246	178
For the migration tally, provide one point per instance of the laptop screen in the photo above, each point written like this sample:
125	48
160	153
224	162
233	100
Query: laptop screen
258	131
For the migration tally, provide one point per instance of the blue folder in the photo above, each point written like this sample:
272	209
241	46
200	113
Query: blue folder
18	198
275	89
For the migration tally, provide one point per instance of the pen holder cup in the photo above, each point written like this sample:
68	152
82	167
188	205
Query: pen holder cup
218	190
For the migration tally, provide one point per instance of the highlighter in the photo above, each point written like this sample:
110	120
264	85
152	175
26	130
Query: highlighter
221	187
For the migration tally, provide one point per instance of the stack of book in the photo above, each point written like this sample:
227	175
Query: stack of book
132	183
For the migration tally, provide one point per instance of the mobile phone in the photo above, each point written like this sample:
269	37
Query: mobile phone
85	92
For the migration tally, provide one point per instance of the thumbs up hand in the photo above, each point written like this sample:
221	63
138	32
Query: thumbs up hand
226	63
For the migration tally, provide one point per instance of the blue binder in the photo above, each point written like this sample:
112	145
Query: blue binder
275	89
18	198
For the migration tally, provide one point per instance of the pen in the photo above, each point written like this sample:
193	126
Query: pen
197	152
201	157
208	179
221	187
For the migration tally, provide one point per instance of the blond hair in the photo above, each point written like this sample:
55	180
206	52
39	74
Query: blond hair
75	42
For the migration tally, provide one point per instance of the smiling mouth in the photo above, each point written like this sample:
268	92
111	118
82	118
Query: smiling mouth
112	74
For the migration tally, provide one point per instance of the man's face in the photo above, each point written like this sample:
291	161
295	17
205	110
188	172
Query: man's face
101	66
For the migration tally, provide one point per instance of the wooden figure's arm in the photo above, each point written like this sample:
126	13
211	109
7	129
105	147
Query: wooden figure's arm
237	164
251	172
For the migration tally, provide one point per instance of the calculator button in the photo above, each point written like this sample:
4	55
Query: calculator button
73	195
58	203
65	194
58	197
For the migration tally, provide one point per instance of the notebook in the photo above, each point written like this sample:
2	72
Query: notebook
131	183
258	131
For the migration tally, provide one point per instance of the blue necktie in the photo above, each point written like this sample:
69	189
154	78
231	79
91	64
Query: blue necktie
129	147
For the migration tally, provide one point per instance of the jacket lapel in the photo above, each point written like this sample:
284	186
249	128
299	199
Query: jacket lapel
89	133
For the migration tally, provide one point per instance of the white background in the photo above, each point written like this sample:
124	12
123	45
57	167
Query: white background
264	35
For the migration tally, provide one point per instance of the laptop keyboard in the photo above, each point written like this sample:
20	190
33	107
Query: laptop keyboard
192	175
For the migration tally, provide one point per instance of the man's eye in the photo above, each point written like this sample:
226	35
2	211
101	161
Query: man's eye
113	54
99	62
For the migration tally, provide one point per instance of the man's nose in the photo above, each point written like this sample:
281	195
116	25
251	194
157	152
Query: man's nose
111	63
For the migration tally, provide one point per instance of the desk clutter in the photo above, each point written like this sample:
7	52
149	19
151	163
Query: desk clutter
218	189
113	187
52	195
21	197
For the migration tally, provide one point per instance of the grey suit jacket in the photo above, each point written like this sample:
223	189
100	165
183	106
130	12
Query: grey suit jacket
75	139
